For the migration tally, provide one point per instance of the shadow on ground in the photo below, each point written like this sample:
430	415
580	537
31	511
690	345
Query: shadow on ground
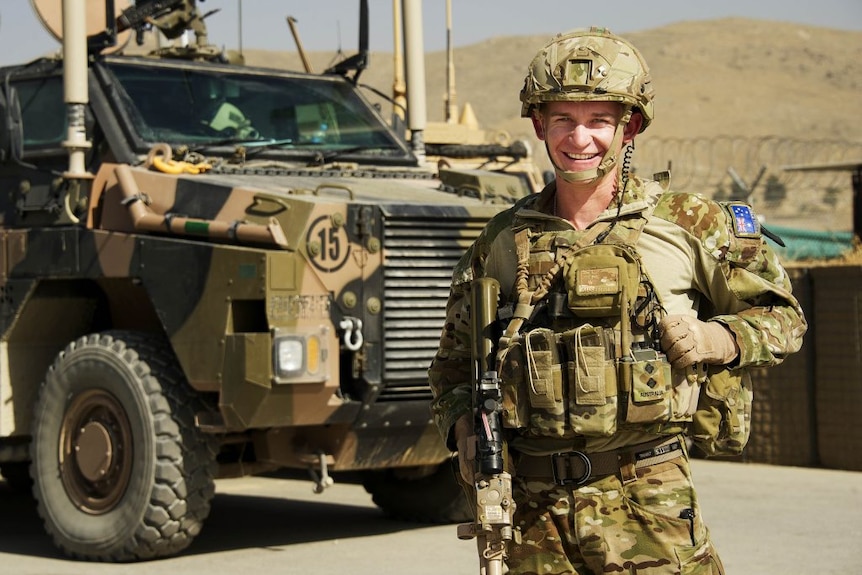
236	521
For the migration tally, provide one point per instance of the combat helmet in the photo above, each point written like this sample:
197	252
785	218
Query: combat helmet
590	65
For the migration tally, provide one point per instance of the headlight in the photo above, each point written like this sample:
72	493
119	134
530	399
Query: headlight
300	356
290	356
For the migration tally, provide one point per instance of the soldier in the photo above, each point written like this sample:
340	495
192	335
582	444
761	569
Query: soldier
621	305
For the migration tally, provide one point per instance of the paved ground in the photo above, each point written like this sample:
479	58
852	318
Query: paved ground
765	520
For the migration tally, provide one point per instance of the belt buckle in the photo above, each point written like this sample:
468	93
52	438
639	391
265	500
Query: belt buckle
588	468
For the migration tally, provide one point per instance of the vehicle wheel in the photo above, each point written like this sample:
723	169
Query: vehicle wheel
120	471
434	498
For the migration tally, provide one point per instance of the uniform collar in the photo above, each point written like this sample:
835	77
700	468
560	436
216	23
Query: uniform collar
635	200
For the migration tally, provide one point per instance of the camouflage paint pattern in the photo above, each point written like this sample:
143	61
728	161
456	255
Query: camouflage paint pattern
218	301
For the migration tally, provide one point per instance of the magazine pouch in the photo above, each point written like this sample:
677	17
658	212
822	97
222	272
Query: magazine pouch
591	380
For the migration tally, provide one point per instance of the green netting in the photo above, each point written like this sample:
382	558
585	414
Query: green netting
803	244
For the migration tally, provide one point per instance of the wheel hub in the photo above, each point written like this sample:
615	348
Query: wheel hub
95	451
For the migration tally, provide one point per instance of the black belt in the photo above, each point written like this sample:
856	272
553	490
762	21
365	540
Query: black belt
578	468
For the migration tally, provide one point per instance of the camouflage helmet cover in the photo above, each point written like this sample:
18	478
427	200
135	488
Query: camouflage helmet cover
592	65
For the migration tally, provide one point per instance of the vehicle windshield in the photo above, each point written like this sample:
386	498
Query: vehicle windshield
200	107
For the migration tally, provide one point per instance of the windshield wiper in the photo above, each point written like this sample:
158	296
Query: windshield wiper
252	146
323	157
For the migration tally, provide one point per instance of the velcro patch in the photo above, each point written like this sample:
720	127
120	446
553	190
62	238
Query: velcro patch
598	281
745	224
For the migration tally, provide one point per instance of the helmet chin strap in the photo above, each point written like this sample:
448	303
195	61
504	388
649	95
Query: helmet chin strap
609	160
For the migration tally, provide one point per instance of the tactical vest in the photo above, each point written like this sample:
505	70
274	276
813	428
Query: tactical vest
580	356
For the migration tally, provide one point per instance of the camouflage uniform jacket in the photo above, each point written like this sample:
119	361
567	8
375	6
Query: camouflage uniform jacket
699	263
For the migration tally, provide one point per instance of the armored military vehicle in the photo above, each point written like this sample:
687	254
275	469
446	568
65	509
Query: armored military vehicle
211	270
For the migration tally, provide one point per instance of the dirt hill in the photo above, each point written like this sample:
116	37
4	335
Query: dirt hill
734	77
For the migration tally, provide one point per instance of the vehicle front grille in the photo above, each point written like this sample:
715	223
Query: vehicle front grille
418	263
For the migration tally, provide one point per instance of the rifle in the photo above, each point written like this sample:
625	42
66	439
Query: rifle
493	485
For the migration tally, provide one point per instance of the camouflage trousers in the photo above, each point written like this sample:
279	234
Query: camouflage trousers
650	525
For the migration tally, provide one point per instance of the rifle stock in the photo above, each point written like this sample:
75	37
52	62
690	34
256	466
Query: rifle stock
492	484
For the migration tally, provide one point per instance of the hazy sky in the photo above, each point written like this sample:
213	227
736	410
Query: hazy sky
330	24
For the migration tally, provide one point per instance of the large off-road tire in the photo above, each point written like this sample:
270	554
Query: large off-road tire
435	498
120	472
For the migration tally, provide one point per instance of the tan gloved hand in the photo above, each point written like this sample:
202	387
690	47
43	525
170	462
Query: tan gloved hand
686	340
465	440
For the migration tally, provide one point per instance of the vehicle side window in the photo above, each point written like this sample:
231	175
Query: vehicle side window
43	111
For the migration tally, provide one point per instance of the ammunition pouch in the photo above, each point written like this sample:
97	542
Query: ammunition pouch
574	384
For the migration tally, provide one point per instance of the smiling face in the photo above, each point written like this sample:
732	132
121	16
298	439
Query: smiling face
579	134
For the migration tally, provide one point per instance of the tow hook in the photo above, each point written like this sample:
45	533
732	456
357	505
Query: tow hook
322	480
352	327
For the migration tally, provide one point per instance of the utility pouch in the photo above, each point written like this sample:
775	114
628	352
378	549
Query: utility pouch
544	383
722	423
597	276
687	384
649	391
591	380
512	368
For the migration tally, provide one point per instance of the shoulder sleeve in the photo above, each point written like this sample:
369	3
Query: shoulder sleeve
748	287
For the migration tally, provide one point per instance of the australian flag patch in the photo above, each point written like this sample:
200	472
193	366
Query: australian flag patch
745	223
